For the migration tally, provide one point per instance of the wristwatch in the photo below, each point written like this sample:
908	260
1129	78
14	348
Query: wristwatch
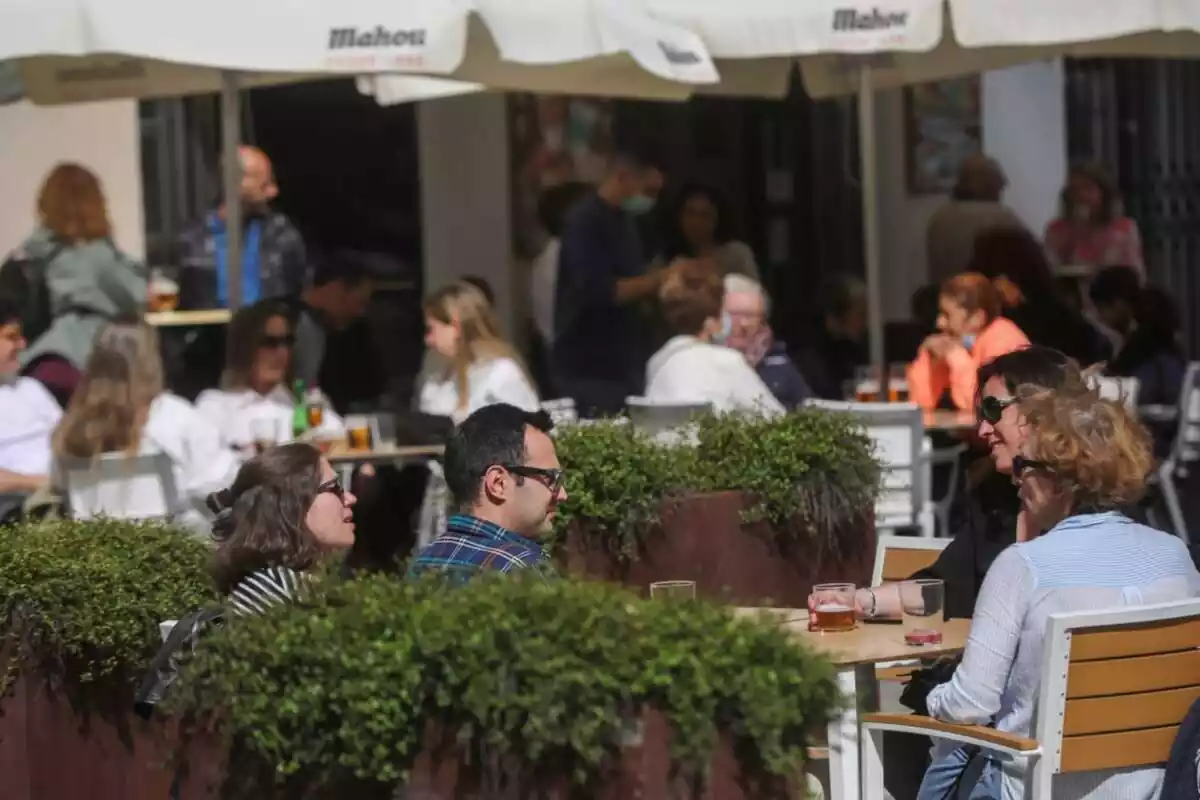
870	612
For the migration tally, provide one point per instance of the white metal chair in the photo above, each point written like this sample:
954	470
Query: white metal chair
1182	449
562	411
1123	390
898	431
1115	686
668	422
121	486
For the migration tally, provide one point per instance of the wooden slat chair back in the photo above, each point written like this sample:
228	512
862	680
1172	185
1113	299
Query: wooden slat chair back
1115	686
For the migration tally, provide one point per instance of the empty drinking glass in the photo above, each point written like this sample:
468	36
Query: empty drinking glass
833	607
674	590
264	433
923	606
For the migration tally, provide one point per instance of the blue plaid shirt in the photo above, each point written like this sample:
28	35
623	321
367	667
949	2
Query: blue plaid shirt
471	545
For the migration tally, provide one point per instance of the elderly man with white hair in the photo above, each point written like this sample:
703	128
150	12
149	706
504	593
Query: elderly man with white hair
744	318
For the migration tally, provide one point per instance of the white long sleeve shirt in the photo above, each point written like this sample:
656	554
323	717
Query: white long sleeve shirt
687	370
28	417
496	380
235	414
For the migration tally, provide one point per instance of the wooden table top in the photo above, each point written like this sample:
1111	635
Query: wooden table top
341	452
179	319
869	643
950	420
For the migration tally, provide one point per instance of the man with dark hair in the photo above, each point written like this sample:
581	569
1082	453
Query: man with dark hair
28	413
837	347
505	482
600	342
1115	292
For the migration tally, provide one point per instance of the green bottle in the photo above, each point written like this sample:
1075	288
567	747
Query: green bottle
300	413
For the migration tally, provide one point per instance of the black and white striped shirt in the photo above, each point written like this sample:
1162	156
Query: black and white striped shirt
258	591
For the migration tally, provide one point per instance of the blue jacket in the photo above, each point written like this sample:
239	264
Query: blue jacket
782	377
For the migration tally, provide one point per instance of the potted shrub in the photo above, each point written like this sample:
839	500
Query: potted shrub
510	686
80	607
756	511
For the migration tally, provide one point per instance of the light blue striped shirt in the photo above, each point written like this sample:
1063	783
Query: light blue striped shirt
1086	562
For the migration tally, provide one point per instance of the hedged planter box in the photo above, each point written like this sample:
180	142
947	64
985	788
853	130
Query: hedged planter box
50	752
702	538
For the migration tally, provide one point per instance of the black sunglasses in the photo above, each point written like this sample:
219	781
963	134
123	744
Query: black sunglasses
1021	465
991	409
552	479
334	487
272	342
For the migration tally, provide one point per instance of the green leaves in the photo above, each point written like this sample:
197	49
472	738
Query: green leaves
548	677
81	601
810	472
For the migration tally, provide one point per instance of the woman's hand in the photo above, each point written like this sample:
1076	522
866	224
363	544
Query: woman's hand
862	602
938	345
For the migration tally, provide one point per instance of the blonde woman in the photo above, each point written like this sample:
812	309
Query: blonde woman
121	406
478	366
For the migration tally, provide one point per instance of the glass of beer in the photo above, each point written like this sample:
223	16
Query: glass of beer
358	432
316	415
833	609
264	434
898	383
923	606
163	293
674	590
866	385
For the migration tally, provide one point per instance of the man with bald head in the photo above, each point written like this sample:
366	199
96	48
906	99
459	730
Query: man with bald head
973	208
274	263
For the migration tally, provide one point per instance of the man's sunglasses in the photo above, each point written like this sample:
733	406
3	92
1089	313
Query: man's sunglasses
334	487
1021	465
272	342
552	479
991	409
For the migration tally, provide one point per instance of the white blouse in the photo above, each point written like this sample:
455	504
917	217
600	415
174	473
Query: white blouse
234	413
496	380
28	417
688	370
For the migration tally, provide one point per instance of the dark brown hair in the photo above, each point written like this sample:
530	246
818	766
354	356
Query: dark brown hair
974	292
71	205
246	332
690	299
1098	175
261	517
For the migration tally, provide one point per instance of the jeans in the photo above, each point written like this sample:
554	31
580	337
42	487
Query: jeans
980	781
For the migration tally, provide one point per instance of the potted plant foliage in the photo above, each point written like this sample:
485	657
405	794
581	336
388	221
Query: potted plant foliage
755	510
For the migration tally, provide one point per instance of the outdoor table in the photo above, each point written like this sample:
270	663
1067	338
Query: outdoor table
345	458
188	319
856	653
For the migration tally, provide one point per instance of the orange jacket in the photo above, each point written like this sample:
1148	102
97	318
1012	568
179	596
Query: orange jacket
929	378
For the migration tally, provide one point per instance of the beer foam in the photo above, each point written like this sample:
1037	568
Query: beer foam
833	608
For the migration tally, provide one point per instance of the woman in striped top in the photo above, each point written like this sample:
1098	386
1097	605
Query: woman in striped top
284	513
1082	460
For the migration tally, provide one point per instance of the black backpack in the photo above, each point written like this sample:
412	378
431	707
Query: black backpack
23	280
174	653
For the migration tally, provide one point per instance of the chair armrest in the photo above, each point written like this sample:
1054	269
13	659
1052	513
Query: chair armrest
967	734
946	455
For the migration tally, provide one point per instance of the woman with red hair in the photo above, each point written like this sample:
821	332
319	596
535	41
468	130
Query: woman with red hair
87	280
971	333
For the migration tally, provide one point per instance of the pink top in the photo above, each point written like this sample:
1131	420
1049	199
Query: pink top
1116	244
929	378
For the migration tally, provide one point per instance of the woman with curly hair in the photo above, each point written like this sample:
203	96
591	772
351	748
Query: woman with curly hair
87	279
285	513
1082	460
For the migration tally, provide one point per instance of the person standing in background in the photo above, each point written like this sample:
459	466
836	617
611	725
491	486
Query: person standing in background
974	207
1090	230
600	345
700	227
274	260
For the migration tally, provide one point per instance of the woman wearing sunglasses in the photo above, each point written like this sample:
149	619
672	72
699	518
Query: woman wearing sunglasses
1081	461
284	514
255	399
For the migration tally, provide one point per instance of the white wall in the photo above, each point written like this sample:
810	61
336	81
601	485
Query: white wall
103	137
1024	128
466	222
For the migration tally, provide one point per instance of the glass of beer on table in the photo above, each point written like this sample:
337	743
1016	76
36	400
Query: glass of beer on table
163	293
358	432
674	590
264	434
898	383
833	607
867	386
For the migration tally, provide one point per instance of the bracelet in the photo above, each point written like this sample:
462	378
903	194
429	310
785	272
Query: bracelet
870	614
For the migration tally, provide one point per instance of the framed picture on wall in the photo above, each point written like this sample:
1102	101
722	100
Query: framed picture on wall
943	125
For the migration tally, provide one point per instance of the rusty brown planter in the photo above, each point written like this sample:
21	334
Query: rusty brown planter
49	752
702	538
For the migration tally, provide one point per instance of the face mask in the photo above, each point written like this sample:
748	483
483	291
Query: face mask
638	204
968	340
722	336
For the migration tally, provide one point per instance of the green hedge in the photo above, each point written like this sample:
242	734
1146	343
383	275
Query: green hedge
535	678
81	602
810	473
